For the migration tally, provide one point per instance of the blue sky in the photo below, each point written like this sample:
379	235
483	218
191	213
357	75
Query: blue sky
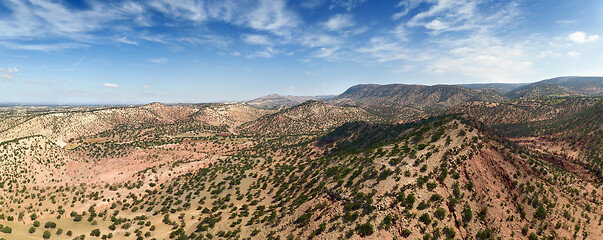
136	51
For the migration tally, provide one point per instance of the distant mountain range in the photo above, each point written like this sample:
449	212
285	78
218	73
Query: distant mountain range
275	100
423	97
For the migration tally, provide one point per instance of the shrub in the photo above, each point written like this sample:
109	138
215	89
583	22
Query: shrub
467	213
365	229
540	213
7	229
32	229
50	225
422	205
425	218
95	232
440	213
46	235
449	232
36	223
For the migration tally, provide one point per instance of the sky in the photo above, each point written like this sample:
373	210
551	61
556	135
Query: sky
140	51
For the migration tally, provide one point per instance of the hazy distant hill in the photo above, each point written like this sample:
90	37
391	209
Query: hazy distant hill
582	85
61	126
415	96
310	117
275	100
540	90
498	87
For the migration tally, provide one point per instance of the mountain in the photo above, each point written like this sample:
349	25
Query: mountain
415	96
524	110
275	100
230	115
540	90
310	117
498	87
577	136
592	86
456	163
63	125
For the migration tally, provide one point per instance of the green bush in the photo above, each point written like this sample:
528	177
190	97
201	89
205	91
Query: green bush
440	213
467	213
540	213
425	218
50	225
365	229
95	232
46	235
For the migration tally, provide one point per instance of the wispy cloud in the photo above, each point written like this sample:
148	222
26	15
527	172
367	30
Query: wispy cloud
158	60
50	47
9	70
79	61
339	21
127	41
6	74
347	4
110	85
256	39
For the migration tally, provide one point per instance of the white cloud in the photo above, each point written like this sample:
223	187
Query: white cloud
347	4
312	3
268	52
458	15
6	77
51	18
384	50
256	39
9	70
319	40
581	37
339	21
573	54
548	53
53	47
145	87
110	85
326	52
481	57
191	10
436	25
158	60
8	73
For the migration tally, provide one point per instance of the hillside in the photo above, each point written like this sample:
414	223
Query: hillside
62	126
497	87
275	100
577	136
540	90
415	96
311	117
524	110
446	176
592	86
228	115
